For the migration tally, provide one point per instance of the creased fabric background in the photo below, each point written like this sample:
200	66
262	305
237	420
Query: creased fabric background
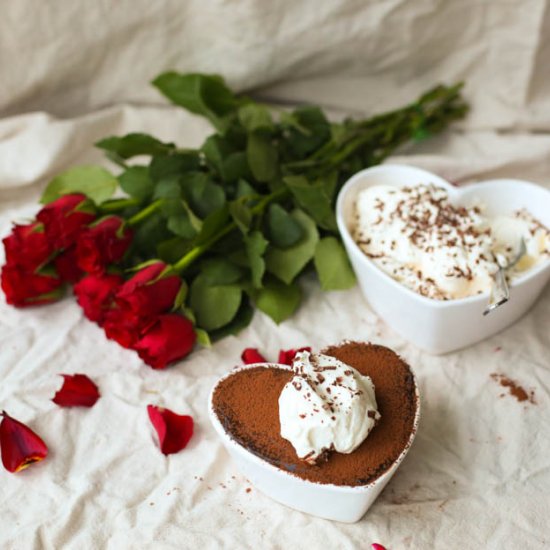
478	475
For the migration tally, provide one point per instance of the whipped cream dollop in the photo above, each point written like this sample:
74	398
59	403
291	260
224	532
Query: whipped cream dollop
327	406
440	250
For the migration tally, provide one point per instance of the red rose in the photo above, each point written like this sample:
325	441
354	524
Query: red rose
287	356
65	218
94	294
27	246
102	244
125	328
26	288
169	339
151	291
66	266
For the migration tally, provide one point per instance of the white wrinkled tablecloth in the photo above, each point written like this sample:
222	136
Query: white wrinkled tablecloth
478	474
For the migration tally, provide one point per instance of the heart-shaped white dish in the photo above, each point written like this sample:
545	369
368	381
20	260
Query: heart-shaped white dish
335	502
434	325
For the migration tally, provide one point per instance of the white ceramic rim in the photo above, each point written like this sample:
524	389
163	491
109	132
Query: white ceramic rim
480	299
251	456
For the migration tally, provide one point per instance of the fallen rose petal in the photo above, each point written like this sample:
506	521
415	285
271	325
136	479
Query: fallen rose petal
77	391
287	356
376	546
174	431
252	355
20	446
171	338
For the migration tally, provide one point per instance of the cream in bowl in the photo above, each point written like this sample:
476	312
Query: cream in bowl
441	250
325	435
444	313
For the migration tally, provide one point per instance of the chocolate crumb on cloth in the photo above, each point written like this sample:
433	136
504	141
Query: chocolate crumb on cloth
247	406
514	388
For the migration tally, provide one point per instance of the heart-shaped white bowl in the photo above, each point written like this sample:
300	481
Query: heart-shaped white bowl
335	502
433	325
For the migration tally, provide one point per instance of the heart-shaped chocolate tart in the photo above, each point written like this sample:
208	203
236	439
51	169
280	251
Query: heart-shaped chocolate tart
244	409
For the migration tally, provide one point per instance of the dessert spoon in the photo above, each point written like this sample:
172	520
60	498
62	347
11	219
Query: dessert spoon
500	293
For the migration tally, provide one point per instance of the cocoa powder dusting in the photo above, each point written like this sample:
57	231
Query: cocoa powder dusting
514	388
247	404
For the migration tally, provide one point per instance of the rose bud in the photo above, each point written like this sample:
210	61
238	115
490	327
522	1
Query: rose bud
94	294
173	430
77	391
151	291
27	246
25	288
169	339
103	243
20	446
287	356
65	264
65	218
252	355
124	327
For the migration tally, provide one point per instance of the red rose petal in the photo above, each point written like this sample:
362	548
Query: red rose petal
66	265
171	338
102	243
150	292
77	391
252	355
287	356
94	294
27	246
65	218
376	546
19	444
174	431
24	289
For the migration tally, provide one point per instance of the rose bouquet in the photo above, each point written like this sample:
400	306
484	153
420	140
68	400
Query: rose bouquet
203	235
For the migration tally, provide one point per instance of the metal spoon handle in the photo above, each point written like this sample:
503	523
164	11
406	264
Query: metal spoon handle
500	293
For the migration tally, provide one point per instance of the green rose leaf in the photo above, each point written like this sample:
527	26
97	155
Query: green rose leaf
205	95
316	197
175	165
278	300
262	157
171	250
136	182
218	271
135	144
332	265
256	245
203	195
244	189
95	182
241	214
213	223
308	130
284	230
240	321
255	117
287	263
235	167
214	305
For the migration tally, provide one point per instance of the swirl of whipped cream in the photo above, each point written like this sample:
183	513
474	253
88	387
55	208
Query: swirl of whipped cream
327	406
